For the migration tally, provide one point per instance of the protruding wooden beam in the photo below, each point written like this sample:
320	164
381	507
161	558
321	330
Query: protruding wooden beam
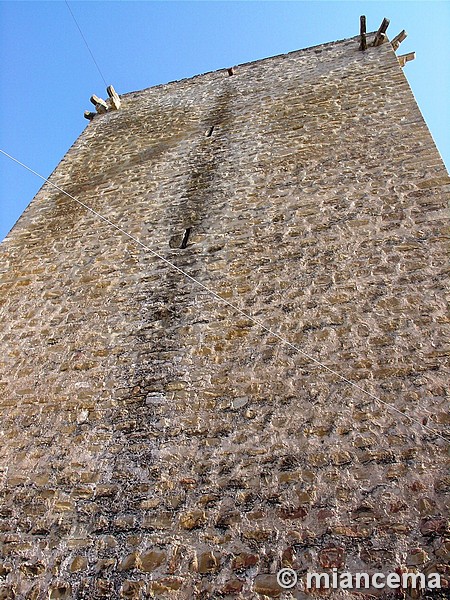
404	58
380	35
89	115
399	39
362	33
382	38
230	71
114	100
100	105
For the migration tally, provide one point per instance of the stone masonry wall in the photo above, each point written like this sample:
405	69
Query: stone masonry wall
158	444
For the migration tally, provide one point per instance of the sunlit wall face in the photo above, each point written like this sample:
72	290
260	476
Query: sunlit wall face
230	358
48	75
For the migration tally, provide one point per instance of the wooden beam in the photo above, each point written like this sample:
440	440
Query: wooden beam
100	105
114	100
399	39
404	58
380	35
362	33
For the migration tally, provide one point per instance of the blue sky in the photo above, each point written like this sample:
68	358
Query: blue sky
47	75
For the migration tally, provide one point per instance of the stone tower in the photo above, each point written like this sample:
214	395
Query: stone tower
175	436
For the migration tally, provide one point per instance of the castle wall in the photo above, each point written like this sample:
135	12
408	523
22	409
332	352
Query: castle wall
158	443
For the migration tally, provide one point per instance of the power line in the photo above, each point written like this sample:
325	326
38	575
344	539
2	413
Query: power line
87	45
230	304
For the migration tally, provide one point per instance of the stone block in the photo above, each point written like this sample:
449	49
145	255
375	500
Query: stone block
267	585
60	591
129	562
244	560
434	526
192	519
332	557
151	560
166	584
79	563
208	562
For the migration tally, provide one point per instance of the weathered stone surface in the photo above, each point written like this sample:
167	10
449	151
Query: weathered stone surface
129	562
132	589
60	591
166	584
232	587
244	561
208	562
267	585
193	519
332	557
156	443
434	526
151	560
443	552
417	556
79	563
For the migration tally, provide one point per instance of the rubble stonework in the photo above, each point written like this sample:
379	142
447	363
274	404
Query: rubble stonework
158	444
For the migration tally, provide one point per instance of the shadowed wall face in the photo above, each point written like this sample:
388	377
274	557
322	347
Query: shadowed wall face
156	441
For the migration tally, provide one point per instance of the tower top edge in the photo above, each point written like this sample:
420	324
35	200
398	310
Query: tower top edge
325	45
